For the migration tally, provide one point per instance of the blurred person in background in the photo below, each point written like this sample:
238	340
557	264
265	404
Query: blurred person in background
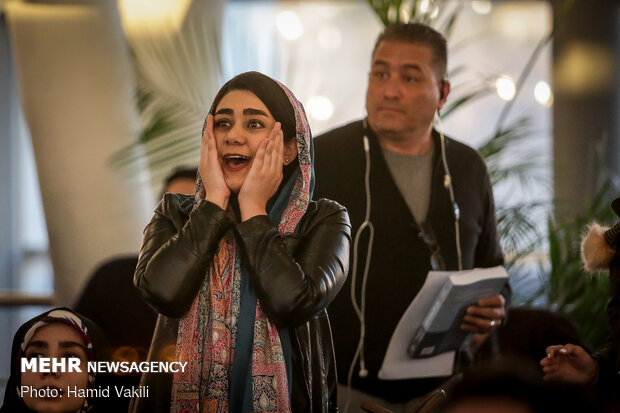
510	385
59	334
571	363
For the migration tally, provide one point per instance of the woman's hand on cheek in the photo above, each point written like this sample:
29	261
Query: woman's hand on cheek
210	169
264	176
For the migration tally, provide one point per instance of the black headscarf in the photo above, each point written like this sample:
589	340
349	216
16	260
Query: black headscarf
274	97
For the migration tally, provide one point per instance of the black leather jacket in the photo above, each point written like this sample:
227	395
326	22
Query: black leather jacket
295	277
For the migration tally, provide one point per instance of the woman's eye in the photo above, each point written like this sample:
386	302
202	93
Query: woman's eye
222	123
31	356
254	124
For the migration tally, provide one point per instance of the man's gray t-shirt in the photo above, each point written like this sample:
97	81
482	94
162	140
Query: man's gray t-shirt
412	174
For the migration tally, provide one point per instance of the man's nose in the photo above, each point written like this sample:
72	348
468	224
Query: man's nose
392	88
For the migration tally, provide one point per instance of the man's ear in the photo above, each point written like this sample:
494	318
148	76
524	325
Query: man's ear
444	91
290	151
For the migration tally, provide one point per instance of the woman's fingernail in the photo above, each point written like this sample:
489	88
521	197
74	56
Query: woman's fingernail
563	350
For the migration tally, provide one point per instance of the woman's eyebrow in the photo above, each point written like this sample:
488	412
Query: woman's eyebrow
246	112
40	344
225	111
70	344
252	111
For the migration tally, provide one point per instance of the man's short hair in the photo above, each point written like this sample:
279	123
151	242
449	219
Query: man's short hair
418	33
182	172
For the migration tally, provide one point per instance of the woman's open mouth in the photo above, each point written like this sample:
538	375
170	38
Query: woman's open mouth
235	162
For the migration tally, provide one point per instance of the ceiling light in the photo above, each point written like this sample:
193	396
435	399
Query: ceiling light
289	25
320	108
505	88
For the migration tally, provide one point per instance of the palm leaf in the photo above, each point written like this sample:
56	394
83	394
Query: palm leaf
177	71
455	104
520	235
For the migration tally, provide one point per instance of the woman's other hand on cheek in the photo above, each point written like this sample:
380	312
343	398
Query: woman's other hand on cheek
264	177
210	169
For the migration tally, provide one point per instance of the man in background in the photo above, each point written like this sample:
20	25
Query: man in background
416	201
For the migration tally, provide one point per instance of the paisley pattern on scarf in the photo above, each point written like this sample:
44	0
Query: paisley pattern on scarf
211	320
207	333
268	374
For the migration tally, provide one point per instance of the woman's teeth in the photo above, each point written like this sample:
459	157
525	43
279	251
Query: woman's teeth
236	159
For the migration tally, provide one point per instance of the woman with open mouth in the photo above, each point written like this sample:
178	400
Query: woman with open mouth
241	272
71	340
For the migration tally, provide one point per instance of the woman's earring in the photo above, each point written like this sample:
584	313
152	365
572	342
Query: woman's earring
286	162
